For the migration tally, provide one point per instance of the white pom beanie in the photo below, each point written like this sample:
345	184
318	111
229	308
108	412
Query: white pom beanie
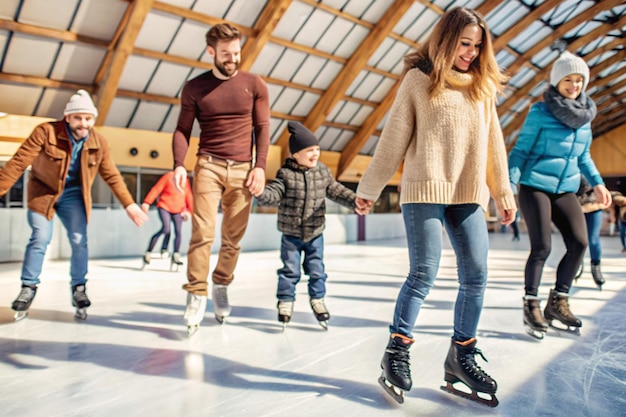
80	102
567	64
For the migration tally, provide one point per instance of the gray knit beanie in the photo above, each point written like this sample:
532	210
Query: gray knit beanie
567	64
80	102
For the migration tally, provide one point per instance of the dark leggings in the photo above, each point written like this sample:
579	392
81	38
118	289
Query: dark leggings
166	219
540	209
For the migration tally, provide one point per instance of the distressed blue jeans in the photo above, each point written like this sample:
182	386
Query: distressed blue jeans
467	230
71	210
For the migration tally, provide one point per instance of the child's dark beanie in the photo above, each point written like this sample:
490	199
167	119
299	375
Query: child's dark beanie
300	138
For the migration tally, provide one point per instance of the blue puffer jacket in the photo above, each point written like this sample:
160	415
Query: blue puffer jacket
550	156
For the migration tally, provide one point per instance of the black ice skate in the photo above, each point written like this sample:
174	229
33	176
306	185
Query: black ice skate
396	375
596	273
460	366
321	312
175	262
23	301
221	307
534	323
285	311
558	309
80	301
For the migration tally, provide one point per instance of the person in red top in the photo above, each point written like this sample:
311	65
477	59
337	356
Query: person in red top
172	205
232	108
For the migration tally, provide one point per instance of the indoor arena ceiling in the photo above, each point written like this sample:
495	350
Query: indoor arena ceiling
332	64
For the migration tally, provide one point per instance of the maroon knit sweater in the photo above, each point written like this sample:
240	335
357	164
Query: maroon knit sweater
229	112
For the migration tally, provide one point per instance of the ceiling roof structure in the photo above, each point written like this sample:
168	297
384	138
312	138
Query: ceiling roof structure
332	64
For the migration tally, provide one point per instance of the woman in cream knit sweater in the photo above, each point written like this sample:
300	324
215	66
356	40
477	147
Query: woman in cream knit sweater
444	126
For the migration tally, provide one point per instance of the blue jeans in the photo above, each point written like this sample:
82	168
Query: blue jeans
594	224
71	210
622	233
291	249
467	230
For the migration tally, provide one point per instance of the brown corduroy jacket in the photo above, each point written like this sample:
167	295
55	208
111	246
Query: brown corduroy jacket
48	151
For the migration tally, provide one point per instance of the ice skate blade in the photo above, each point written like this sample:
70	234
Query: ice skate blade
534	332
395	392
81	314
20	315
220	319
570	330
192	329
492	402
324	324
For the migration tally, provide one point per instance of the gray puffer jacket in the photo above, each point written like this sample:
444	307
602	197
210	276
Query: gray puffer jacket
300	194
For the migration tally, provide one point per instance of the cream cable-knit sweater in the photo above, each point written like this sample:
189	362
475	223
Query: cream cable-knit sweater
452	147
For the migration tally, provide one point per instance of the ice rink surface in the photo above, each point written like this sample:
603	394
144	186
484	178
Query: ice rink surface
132	356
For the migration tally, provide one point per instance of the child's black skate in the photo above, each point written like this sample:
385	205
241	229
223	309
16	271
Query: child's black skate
534	323
221	306
558	309
321	312
285	311
23	301
460	366
176	261
80	301
396	375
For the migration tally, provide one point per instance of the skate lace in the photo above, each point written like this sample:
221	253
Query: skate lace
469	364
194	305
285	308
79	294
25	295
400	361
221	297
318	306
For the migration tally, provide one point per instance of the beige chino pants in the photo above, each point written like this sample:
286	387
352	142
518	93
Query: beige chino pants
215	180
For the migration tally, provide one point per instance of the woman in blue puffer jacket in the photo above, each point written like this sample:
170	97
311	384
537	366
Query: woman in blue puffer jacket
551	152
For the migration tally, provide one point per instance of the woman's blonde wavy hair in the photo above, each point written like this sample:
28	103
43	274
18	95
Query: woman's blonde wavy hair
438	53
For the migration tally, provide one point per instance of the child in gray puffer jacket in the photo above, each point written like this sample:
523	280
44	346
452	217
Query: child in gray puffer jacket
300	190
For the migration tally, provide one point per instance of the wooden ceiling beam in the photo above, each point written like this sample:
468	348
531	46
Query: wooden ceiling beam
264	27
105	91
370	124
355	64
106	62
522	24
562	30
59	35
541	75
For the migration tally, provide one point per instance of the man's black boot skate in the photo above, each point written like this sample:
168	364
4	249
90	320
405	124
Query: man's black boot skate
23	301
461	366
80	301
396	375
558	309
534	323
596	273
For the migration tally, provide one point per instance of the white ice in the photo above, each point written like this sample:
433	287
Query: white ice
132	356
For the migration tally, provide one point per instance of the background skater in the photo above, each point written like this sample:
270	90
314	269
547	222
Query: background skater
65	156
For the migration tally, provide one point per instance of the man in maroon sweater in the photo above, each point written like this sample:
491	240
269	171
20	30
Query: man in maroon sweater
232	108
